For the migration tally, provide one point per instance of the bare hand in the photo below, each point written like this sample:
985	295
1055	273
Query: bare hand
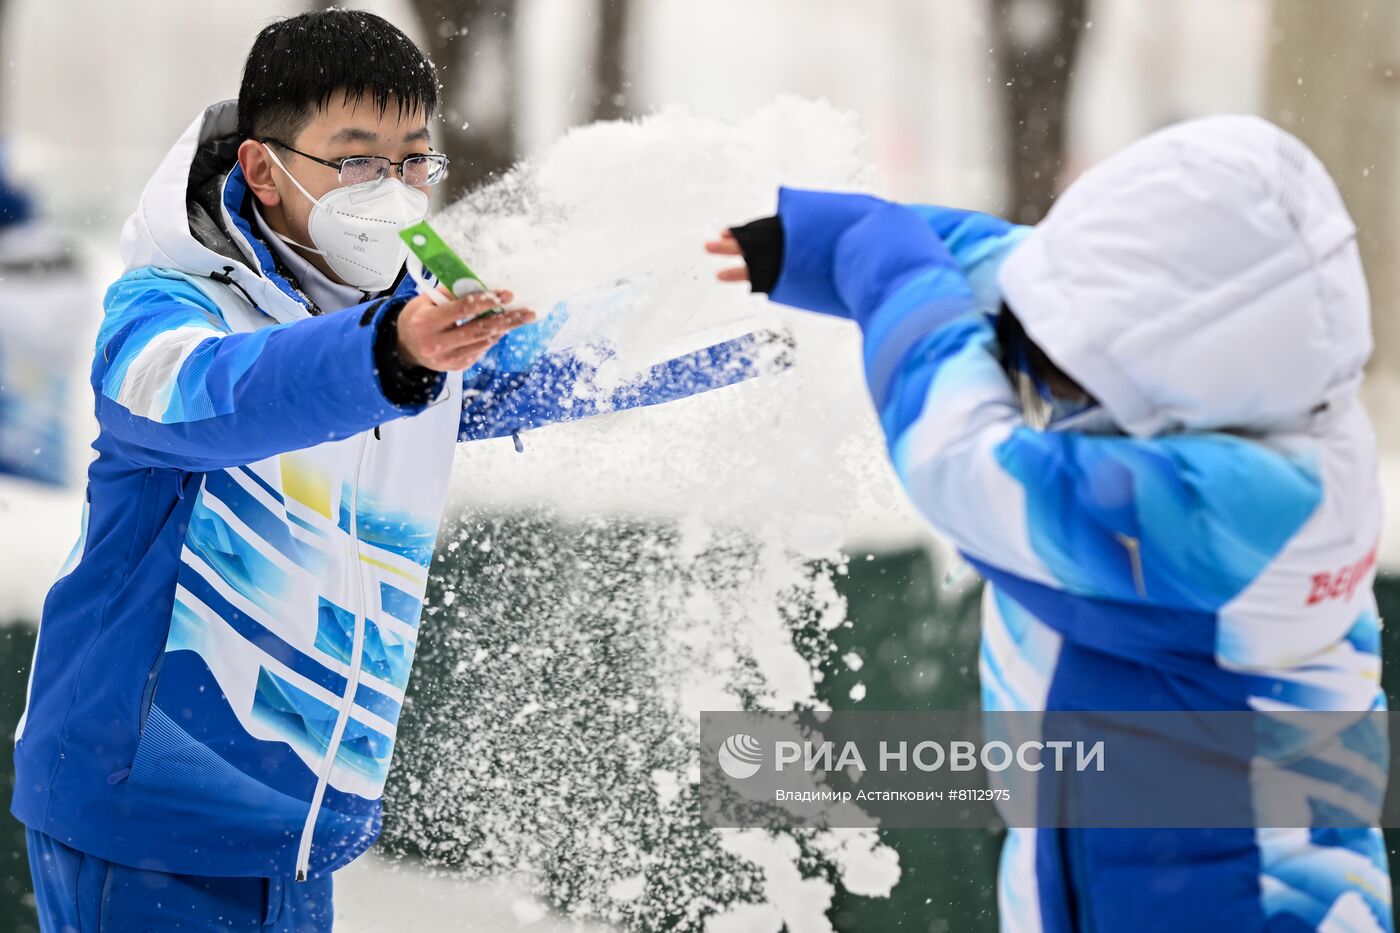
726	245
430	336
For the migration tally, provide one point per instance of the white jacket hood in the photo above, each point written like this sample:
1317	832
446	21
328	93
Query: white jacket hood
181	222
1205	278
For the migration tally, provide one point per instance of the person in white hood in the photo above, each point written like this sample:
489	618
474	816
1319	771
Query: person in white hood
1140	422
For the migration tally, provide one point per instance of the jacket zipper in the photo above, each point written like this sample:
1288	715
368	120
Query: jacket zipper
148	693
352	682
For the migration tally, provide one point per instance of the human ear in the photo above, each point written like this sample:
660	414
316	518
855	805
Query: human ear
257	172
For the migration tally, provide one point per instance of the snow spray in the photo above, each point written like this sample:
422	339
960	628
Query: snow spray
599	591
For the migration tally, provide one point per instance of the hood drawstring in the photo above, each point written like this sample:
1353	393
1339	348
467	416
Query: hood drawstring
223	278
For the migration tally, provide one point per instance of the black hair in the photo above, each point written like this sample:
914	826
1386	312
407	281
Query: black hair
1019	351
297	64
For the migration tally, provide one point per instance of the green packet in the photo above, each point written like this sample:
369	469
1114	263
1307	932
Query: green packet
439	259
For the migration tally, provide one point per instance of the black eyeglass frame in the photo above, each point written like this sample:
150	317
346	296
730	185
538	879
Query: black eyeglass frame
339	164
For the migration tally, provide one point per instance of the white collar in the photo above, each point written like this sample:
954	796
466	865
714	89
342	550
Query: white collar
328	296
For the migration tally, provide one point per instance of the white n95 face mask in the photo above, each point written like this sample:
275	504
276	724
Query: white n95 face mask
356	228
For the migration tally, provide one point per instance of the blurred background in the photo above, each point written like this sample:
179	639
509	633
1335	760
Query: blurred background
987	104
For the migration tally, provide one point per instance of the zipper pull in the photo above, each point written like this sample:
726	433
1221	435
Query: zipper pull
519	444
1134	548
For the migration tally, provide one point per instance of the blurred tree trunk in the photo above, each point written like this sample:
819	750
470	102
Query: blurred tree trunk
1037	44
1334	81
460	34
610	60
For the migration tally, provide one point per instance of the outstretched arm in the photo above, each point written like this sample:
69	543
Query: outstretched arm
520	386
978	242
177	388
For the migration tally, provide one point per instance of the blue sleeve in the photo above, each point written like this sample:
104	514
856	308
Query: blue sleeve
1186	520
813	222
176	388
979	243
565	386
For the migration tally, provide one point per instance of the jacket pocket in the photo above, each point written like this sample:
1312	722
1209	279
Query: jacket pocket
143	712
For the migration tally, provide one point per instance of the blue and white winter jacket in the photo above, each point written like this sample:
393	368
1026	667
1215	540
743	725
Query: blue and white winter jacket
1215	553
221	665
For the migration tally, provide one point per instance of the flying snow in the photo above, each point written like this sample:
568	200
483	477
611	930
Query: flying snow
623	574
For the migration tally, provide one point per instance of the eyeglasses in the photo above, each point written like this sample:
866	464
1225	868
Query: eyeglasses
420	168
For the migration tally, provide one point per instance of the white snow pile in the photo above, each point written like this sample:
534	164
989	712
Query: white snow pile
625	573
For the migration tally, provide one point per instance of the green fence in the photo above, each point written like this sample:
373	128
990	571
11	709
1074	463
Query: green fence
919	646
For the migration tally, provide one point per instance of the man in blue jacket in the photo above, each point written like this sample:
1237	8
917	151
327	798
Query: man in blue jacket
221	665
1139	421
